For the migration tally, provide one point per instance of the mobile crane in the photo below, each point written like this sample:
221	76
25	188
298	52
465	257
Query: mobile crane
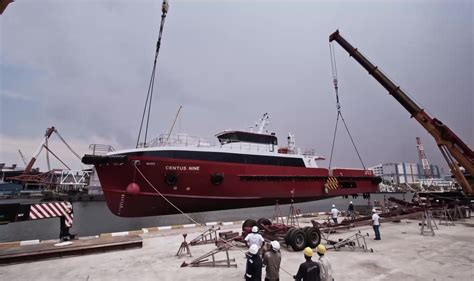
456	153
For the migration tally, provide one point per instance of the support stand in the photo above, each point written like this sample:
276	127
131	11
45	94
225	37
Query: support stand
207	237
428	222
292	219
355	241
184	248
277	215
204	259
446	218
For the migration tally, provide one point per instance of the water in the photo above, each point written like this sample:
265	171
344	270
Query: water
93	218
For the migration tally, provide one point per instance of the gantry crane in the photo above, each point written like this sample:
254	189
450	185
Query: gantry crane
454	150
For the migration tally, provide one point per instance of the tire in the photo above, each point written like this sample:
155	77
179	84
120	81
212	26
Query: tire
263	222
248	224
313	237
287	236
298	240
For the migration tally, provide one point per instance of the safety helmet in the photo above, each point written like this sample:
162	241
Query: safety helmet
308	252
334	206
253	249
275	245
255	229
373	211
321	249
350	202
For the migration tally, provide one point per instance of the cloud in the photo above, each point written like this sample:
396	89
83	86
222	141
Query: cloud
84	67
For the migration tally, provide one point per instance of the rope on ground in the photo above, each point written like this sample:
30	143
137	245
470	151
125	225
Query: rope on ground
164	197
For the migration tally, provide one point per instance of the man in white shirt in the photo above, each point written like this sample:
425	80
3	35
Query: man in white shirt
254	238
325	271
334	213
376	224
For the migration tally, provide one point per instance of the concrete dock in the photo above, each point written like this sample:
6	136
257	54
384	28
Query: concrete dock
402	254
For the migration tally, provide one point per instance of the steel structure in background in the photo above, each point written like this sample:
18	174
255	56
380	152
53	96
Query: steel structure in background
455	151
423	160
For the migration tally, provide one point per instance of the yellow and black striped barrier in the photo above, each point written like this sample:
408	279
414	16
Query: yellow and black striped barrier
331	184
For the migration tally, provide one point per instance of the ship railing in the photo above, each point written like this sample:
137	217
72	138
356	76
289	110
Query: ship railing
179	140
101	149
244	146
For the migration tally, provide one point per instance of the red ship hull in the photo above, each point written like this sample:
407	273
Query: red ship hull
196	185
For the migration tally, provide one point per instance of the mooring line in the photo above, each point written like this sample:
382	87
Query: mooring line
164	197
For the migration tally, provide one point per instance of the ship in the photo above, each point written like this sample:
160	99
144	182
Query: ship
247	168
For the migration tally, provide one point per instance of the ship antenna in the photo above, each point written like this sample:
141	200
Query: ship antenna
164	10
263	122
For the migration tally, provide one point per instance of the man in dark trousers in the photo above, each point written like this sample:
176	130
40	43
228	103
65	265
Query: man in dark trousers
272	260
253	270
309	270
350	211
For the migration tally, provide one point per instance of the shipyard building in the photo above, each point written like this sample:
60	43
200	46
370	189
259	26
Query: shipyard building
402	172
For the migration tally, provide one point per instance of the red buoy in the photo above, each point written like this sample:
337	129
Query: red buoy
133	188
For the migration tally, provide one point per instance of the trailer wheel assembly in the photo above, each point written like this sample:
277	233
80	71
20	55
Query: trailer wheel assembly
248	224
313	236
298	240
263	222
217	179
171	179
287	236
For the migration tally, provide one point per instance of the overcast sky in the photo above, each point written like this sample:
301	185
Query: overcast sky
84	66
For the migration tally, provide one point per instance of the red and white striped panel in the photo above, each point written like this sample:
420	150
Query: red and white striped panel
52	210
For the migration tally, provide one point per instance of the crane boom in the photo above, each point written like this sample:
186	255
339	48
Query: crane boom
451	146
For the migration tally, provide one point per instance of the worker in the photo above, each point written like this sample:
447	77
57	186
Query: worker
350	211
334	213
253	269
325	270
309	270
254	238
272	260
376	224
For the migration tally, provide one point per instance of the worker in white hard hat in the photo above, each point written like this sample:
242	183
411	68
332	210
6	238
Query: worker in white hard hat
309	270
253	270
334	213
254	238
325	271
376	224
272	260
350	211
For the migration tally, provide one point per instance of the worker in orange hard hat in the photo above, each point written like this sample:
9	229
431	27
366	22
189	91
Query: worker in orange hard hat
309	270
325	270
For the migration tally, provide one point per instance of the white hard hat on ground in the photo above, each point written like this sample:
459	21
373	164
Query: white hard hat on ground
275	245
255	229
253	249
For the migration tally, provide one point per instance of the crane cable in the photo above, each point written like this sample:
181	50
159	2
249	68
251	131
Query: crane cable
164	10
338	106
